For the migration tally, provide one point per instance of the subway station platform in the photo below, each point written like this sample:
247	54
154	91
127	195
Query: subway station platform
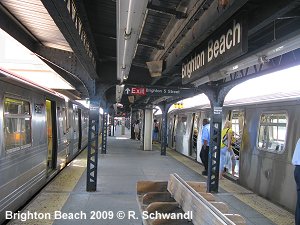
119	170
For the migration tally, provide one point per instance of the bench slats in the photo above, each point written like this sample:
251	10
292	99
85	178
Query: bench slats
157	197
170	222
143	187
162	207
177	197
208	196
221	206
236	218
198	186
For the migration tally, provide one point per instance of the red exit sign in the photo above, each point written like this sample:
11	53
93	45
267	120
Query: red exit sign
138	91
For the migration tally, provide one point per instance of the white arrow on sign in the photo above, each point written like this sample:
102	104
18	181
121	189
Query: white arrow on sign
127	90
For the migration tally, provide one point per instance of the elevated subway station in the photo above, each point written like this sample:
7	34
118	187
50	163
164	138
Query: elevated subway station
129	56
118	172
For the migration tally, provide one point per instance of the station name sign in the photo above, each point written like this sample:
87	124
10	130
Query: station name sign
224	45
155	91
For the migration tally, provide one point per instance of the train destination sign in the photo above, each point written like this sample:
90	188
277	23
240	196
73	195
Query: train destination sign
155	91
226	44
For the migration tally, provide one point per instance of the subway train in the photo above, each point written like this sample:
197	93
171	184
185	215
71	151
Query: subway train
40	132
266	130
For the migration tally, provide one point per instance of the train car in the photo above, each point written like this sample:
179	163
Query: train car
40	132
266	129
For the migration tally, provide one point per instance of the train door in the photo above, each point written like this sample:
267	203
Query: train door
237	118
51	134
75	126
66	130
194	136
169	133
79	130
160	129
174	131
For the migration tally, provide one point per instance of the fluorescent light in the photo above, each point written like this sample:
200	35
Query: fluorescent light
129	16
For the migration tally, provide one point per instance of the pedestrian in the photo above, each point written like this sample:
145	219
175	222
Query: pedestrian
205	137
296	163
225	146
137	129
155	131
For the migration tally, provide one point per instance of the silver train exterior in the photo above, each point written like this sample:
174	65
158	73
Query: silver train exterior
40	133
267	127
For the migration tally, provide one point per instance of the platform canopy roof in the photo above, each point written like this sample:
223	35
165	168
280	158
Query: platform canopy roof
96	45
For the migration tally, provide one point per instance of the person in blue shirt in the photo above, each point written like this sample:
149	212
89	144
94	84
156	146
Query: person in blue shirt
296	163
205	137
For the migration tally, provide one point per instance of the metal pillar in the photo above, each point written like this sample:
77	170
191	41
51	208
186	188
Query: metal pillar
104	132
148	128
164	108
92	157
123	126
113	126
216	97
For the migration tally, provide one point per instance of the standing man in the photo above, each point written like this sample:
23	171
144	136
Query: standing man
296	162
137	129
155	131
205	145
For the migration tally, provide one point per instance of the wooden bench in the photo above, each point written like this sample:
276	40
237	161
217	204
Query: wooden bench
177	197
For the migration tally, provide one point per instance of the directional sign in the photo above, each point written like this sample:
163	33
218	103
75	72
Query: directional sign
127	91
138	91
156	91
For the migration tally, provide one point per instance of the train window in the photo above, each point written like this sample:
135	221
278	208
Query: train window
272	132
17	124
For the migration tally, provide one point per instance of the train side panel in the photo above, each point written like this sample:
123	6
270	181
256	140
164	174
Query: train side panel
37	140
22	168
267	173
270	174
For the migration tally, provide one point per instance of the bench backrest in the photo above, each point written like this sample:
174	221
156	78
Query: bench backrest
202	210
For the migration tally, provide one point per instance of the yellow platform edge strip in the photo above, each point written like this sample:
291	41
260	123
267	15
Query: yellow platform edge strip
54	196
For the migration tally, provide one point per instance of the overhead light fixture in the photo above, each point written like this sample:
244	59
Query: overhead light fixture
127	35
130	14
129	18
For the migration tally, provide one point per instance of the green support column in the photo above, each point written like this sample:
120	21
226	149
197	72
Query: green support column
216	96
92	157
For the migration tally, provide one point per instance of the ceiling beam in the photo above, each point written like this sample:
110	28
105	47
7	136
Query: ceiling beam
63	19
85	21
151	45
181	27
262	16
74	81
280	62
62	62
200	31
103	35
68	62
168	11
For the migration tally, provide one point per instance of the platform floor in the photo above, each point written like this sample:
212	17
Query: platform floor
119	170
